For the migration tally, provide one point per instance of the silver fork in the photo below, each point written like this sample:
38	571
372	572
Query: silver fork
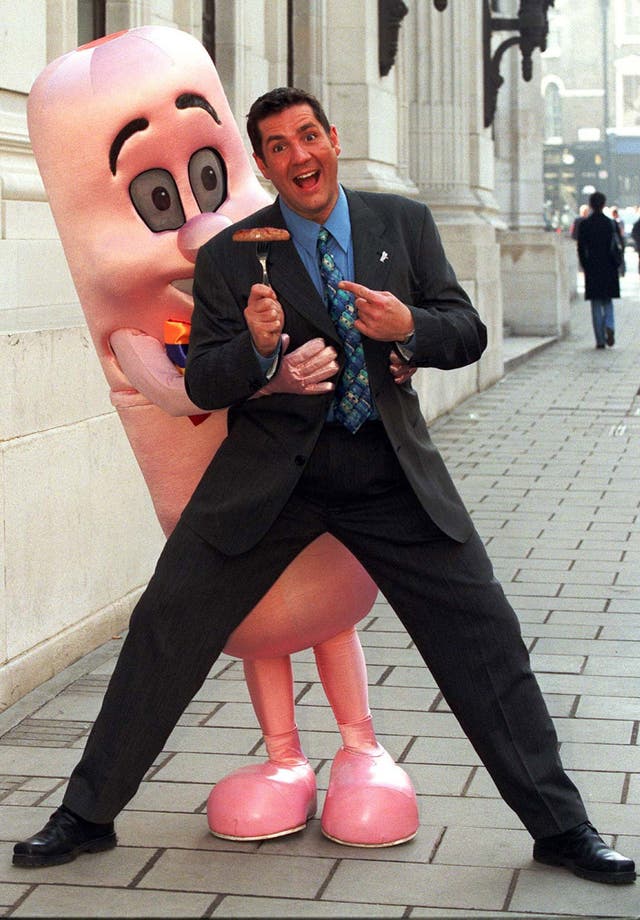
262	251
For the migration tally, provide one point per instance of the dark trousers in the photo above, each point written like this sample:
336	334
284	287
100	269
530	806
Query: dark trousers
444	593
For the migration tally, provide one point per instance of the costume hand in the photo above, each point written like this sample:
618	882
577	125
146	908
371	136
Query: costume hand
381	315
265	318
400	370
305	370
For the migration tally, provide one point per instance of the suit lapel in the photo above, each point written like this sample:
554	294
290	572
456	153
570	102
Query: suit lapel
292	283
371	259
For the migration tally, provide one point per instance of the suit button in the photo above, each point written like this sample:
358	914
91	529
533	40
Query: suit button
300	460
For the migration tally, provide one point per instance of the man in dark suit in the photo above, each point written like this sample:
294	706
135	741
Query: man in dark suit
296	465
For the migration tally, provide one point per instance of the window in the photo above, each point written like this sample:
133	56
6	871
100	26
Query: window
552	112
630	100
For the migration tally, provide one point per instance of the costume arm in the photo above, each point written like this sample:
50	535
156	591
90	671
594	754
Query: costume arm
143	360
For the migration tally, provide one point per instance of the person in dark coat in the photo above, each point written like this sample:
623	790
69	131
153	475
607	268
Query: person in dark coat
635	235
601	279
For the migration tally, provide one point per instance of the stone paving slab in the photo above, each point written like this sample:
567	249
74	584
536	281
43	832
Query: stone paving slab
463	887
535	888
74	901
548	462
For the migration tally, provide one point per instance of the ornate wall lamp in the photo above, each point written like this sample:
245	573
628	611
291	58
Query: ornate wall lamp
532	26
390	15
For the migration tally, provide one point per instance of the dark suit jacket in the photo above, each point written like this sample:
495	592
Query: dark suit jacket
397	248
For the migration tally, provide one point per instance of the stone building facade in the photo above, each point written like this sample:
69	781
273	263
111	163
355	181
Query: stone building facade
590	84
80	537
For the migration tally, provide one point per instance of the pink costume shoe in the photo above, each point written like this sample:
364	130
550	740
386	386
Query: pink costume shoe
262	801
370	802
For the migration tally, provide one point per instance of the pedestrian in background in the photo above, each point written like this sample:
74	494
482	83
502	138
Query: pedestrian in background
635	233
582	213
619	225
598	244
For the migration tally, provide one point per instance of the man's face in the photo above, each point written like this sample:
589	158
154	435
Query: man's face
301	160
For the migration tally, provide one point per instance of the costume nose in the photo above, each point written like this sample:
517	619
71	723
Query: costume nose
197	230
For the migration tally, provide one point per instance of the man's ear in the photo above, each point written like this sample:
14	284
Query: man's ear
335	140
262	166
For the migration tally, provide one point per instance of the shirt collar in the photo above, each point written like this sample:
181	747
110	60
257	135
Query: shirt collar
305	232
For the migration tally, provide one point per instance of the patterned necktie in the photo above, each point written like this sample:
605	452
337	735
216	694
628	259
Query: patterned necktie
352	402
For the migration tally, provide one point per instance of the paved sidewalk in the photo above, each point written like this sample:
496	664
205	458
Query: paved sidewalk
548	460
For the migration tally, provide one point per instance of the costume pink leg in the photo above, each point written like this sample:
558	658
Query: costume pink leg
370	800
276	797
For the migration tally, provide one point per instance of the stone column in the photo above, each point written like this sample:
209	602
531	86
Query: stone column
536	290
310	48
451	163
61	27
241	51
440	108
188	16
128	14
363	105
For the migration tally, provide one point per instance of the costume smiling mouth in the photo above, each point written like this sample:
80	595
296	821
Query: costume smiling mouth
184	285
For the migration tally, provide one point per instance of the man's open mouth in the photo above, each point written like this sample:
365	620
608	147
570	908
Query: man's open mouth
306	180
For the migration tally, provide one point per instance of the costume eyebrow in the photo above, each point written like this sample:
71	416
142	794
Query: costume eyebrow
184	101
138	124
192	100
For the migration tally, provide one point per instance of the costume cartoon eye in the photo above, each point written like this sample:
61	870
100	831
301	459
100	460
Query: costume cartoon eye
155	197
208	179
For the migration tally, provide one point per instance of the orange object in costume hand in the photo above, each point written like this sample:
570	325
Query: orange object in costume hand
143	162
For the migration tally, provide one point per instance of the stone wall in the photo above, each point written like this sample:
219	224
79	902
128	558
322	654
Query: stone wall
79	536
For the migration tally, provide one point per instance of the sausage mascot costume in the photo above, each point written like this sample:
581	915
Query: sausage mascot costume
143	162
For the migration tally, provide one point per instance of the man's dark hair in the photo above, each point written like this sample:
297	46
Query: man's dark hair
597	201
275	101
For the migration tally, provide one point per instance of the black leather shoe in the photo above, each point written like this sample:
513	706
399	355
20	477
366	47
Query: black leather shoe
611	339
63	837
585	853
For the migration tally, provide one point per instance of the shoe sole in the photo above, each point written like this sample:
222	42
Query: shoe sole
238	838
34	861
613	878
370	846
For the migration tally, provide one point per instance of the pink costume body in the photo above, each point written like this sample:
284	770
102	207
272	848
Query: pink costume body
143	162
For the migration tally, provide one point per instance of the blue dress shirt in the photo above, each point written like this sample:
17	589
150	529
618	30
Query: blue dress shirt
304	234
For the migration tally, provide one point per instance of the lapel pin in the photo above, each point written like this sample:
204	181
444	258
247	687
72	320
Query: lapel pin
384	256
